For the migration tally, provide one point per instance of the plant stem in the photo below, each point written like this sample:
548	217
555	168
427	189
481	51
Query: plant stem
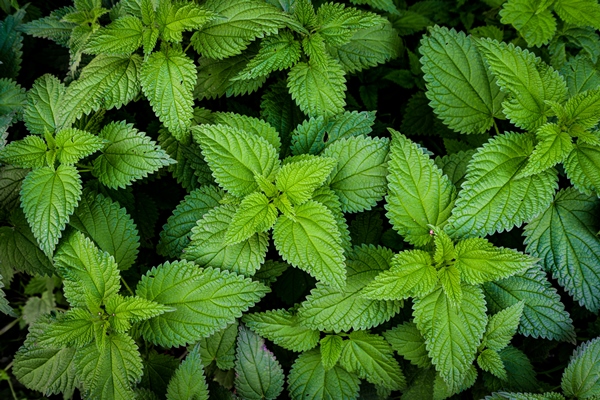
127	286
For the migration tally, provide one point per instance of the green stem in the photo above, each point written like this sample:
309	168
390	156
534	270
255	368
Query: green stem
127	286
496	127
10	325
12	390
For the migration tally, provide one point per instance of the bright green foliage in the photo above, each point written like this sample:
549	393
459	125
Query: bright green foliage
299	179
462	91
27	153
583	168
579	12
532	18
283	328
123	36
490	361
327	197
502	326
249	124
129	155
581	378
258	374
331	309
494	198
308	379
220	347
337	23
525	396
188	382
331	350
205	301
52	27
124	310
48	198
255	214
360	160
409	343
371	358
527	81
419	194
168	78
554	146
572	259
174	18
452	333
43	111
74	144
311	242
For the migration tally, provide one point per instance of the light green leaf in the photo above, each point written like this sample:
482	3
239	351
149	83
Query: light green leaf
13	98
236	156
331	350
48	198
220	347
450	278
583	168
312	243
543	314
579	12
359	179
531	18
74	144
372	359
330	309
30	152
174	18
502	326
553	147
130	155
43	111
329	199
452	334
308	379
168	78
208	246
188	382
132	309
490	361
318	89
258	374
299	179
123	36
74	328
36	307
249	124
527	80
462	91
337	23
412	275
581	378
564	237
409	343
254	214
206	300
52	27
583	109
283	328
493	197
419	194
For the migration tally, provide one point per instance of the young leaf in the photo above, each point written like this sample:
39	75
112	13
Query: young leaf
452	334
43	111
329	199
74	328
579	12
331	350
283	328
206	300
494	198
48	198
168	78
175	18
130	155
372	359
527	79
236	156
220	347
502	326
52	27
74	144
581	378
409	343
450	278
132	309
188	382
583	168
583	109
215	78
254	214
123	36
308	379
490	361
312	243
564	237
258	374
462	91
532	19
419	194
553	147
299	179
250	125
30	152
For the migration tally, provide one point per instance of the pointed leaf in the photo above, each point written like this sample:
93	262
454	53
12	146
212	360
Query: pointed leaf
188	382
502	326
532	19
490	361
220	347
74	144
123	36
299	179
409	343
581	378
331	350
553	147
254	214
249	124
30	152
43	110
579	12
450	278
583	168
174	18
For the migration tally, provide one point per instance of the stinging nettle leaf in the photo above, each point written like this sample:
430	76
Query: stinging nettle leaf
581	378
579	12
490	361
331	350
254	214
188	382
174	18
123	36
43	111
74	144
502	326
30	152
409	343
220	347
299	179
583	168
554	146
249	124
532	19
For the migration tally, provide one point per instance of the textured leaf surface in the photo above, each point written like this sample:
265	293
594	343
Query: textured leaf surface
13	97
174	18
123	36
188	382
220	347
462	91
74	144
490	361
583	168
409	343
502	326
331	350
30	152
553	147
581	378
299	179
249	124
579	12
533	20
206	300
43	110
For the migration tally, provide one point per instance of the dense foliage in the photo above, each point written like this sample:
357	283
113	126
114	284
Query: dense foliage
272	199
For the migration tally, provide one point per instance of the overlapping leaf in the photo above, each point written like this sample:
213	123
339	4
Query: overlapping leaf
43	111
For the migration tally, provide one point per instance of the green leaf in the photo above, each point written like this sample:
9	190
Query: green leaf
123	36
220	347
579	12
11	42
372	359
553	147
175	235
108	81
412	275
215	78
450	279
48	198
581	378
490	361
299	179
493	197
5	307
543	314
109	225
312	243
330	309
36	307
329	199
525	396
308	379
527	81
30	152
583	168
206	300
337	23
43	111
452	334
236	156
208	246
129	155
74	328
188	382
318	89
283	328
236	25
181	16
249	124
74	144
419	194
11	178
533	19
111	371
409	343
168	78
258	374
564	237
132	309
254	214
13	97
583	108
359	179
158	371
502	326
462	91
520	372
331	350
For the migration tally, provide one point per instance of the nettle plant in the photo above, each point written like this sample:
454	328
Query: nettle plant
311	249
